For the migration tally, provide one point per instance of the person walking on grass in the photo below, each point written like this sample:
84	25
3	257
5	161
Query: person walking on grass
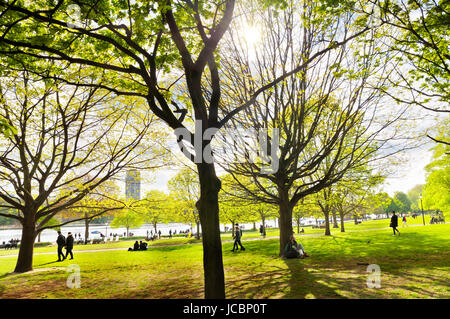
237	239
61	242
69	245
394	223
404	221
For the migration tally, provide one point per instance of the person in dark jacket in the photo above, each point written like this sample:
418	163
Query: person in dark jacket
394	223
60	241
237	239
69	245
136	246
142	245
294	249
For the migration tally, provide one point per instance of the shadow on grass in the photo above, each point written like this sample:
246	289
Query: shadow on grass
304	284
338	268
50	262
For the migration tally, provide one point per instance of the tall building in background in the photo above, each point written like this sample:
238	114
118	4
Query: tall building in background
133	185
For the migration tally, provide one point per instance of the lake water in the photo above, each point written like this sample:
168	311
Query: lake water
50	235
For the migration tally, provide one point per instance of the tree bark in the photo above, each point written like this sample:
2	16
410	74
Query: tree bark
198	230
335	224
86	228
208	207
342	222
25	258
327	223
232	228
285	220
355	218
264	227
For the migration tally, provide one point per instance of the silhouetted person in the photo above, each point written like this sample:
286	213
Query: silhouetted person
394	223
159	234
60	241
237	239
136	245
142	245
170	233
69	245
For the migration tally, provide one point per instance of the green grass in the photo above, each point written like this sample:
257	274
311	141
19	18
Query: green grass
413	265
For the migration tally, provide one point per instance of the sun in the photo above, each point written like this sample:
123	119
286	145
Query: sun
252	35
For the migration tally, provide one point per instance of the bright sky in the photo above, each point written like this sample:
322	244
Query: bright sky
410	174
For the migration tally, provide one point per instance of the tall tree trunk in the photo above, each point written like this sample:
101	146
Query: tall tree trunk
285	220
154	227
86	228
254	225
298	225
355	218
198	230
263	226
327	222
335	224
39	237
208	207
25	258
341	214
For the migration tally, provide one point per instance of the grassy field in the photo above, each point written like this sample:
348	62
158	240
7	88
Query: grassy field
413	265
247	234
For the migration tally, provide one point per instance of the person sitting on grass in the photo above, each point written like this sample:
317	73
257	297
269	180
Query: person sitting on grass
142	245
135	247
294	249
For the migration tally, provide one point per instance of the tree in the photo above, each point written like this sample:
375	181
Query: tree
128	218
69	140
403	201
264	212
418	35
90	207
156	208
307	123
436	191
185	189
133	47
298	213
413	195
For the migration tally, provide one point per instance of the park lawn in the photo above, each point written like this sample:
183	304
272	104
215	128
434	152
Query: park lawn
413	265
109	245
247	234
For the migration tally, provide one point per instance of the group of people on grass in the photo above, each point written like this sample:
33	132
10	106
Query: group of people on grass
138	246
